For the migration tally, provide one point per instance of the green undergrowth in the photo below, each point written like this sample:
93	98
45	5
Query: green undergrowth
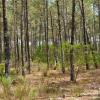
16	88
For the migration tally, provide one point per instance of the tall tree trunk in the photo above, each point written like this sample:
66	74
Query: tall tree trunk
60	37
46	32
27	35
16	38
0	37
94	29
84	36
53	41
15	30
6	40
72	71
99	21
21	28
99	13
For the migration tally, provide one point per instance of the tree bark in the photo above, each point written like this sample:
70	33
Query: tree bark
72	71
60	37
6	40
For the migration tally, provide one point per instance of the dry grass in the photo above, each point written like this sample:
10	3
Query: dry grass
55	86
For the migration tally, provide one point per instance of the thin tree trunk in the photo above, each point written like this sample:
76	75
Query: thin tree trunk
21	29
84	35
46	32
60	37
94	29
0	38
53	41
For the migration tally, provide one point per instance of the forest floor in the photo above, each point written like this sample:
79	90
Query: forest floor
56	86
